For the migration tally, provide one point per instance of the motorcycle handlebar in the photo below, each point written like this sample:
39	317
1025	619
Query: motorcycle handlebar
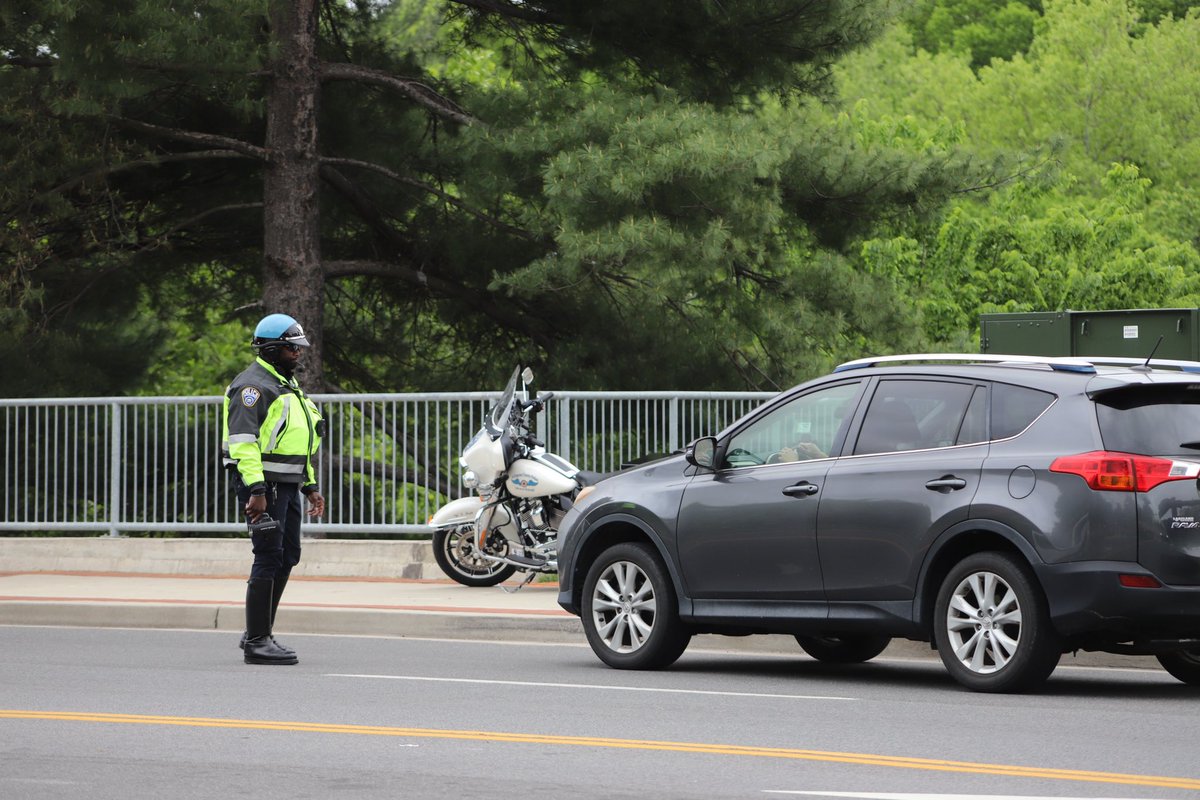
536	404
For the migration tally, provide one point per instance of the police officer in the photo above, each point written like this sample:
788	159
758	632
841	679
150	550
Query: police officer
271	434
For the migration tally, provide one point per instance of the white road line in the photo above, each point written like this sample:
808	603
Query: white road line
585	686
921	796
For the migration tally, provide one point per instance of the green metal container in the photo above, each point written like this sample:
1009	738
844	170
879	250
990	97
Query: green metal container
1126	333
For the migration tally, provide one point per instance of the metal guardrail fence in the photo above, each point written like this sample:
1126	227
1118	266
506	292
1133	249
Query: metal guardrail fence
152	464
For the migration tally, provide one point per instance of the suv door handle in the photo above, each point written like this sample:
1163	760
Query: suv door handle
801	489
946	484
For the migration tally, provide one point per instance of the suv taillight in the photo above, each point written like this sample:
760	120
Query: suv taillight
1124	472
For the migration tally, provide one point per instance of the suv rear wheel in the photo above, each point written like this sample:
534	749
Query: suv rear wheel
630	613
1184	665
844	648
991	625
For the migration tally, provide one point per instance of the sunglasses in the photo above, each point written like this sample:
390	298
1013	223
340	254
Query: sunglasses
292	348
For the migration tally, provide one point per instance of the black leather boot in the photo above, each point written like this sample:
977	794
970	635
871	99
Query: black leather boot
260	647
276	593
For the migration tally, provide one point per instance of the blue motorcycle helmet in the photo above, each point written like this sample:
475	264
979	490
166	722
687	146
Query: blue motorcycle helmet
275	330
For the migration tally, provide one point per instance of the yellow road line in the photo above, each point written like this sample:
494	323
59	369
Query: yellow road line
899	762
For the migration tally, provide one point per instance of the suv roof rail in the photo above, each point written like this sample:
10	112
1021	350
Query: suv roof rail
1060	363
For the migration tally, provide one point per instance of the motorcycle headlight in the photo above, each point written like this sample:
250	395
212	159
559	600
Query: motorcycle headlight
470	479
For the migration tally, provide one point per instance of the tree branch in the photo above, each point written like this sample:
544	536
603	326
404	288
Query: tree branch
497	308
505	312
187	223
425	187
142	162
512	10
193	137
414	90
31	63
151	66
1022	173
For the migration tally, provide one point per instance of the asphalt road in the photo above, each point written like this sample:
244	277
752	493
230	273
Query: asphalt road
101	713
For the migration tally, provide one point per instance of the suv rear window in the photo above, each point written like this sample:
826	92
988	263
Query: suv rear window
1151	420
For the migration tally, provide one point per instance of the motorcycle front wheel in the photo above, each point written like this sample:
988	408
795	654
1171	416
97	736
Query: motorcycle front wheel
455	552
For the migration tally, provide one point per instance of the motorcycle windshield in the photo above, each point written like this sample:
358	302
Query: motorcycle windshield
502	409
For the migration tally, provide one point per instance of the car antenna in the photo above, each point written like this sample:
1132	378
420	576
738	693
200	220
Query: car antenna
1146	366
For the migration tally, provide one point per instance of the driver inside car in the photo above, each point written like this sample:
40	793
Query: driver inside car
801	451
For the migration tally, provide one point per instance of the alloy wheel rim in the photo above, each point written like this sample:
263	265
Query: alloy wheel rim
624	607
983	623
460	546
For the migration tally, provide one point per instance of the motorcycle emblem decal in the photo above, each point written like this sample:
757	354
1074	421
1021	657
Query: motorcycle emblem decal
250	396
524	481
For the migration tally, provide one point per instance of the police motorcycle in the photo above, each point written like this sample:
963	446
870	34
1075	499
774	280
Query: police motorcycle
511	522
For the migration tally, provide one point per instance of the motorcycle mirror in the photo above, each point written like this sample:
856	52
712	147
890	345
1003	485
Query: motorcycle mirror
702	452
527	375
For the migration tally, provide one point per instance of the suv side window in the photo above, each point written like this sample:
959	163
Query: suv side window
974	425
914	415
1015	407
802	429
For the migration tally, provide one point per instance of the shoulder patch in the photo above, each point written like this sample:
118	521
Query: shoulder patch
250	396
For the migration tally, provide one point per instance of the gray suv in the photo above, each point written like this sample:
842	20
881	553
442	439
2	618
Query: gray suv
1006	509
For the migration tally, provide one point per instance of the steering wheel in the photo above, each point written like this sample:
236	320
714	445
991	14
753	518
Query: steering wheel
741	453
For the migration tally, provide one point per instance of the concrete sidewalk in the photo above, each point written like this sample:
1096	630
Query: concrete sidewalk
381	606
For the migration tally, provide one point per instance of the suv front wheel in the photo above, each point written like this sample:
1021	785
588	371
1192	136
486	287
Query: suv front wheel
629	609
991	625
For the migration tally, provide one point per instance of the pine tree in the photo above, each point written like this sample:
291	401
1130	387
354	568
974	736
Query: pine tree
555	183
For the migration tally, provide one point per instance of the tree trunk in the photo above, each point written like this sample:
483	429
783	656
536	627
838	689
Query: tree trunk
292	279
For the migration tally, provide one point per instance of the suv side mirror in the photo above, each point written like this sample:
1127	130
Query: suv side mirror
702	452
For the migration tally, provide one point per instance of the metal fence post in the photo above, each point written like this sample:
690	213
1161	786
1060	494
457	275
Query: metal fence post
564	429
541	423
114	465
673	443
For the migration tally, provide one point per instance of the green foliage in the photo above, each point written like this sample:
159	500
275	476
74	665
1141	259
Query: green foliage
90	220
1154	11
1106	221
631	185
982	30
677	183
717	52
196	364
1031	249
721	227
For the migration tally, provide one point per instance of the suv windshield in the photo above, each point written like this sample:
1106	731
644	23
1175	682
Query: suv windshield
1151	420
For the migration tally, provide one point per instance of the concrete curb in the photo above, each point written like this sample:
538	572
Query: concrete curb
351	621
341	558
454	625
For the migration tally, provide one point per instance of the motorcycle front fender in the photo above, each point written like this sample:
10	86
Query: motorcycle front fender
456	512
464	511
